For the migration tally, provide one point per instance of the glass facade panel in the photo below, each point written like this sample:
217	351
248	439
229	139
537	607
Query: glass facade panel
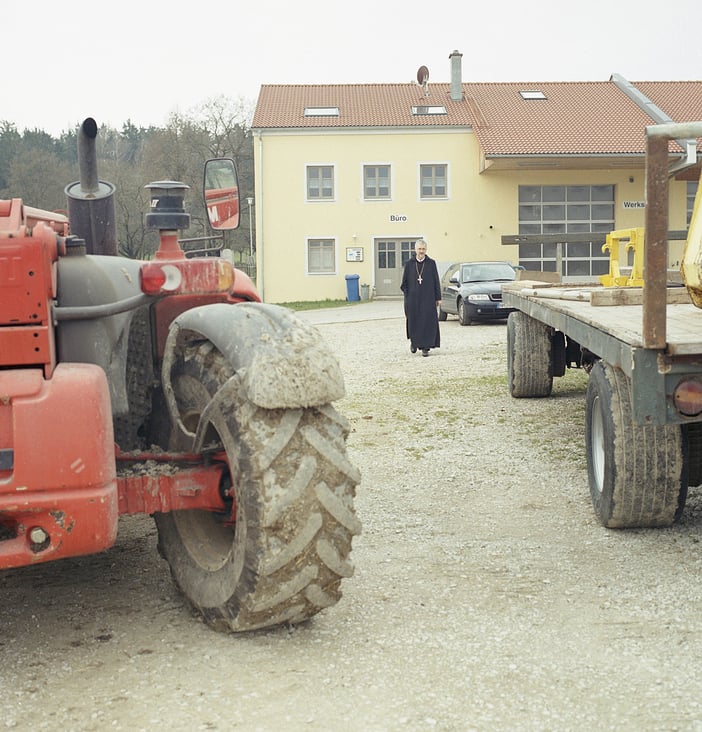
554	193
553	213
578	249
578	193
529	213
529	194
565	210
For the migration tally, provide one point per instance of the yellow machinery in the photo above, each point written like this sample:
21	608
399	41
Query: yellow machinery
691	267
636	243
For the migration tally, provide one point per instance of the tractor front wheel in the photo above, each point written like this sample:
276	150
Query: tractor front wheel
279	551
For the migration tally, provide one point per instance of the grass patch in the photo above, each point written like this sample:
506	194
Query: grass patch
316	304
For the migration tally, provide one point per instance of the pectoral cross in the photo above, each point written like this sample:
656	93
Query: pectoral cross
419	279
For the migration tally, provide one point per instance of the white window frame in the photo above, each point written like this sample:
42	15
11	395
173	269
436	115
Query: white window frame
320	199
433	163
315	273
364	197
690	193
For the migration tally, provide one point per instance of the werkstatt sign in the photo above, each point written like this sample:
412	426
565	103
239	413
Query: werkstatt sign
633	204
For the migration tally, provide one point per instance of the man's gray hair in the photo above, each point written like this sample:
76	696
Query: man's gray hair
420	241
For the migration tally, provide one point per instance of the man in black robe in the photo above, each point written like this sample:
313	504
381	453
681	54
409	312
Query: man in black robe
422	290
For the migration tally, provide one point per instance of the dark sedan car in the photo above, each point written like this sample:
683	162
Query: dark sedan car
473	291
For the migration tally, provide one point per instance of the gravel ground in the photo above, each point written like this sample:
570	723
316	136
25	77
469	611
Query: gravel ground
486	595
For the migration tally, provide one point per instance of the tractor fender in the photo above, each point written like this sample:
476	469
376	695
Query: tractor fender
281	361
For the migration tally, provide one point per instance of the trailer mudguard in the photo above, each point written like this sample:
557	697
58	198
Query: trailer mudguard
58	485
281	361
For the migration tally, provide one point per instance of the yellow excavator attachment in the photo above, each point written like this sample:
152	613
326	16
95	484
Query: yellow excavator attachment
635	243
691	267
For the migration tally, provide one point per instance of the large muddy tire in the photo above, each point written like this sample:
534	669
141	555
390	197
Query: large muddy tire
529	366
693	435
637	473
279	554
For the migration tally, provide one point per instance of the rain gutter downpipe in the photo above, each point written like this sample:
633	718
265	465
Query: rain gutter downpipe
260	246
689	156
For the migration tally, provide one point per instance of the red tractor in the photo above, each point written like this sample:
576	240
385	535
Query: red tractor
165	387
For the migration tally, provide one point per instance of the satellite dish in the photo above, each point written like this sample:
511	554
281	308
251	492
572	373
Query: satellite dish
422	75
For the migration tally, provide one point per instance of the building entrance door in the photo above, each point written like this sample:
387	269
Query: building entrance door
391	255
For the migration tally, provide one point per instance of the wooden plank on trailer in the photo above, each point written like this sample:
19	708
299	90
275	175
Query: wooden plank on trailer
634	296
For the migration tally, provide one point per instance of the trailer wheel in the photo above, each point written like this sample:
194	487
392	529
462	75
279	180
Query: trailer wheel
637	473
529	369
463	316
278	556
693	436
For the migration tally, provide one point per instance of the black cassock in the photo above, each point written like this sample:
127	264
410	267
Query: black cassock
422	320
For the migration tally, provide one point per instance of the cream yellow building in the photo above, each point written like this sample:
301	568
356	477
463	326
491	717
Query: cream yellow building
348	177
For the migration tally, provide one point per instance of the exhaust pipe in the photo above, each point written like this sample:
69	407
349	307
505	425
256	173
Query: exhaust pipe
91	203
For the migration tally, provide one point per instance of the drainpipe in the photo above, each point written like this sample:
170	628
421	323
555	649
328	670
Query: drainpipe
689	158
260	246
456	77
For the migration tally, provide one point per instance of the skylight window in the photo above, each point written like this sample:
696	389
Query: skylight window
321	111
532	94
428	109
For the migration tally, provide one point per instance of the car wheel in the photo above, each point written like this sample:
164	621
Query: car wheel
463	316
442	315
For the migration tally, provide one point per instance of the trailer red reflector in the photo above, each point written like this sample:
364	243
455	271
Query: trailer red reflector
688	397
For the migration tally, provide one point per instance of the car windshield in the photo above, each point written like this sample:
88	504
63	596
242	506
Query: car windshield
487	272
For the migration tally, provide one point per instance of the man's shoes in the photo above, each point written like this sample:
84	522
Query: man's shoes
425	352
413	349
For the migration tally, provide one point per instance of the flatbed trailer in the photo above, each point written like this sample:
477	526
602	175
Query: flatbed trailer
642	348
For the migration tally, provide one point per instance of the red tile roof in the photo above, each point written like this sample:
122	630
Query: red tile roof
575	118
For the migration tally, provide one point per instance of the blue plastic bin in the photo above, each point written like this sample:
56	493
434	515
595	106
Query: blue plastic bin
352	287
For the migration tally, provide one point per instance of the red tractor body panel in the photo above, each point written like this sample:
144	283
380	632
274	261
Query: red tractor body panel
58	485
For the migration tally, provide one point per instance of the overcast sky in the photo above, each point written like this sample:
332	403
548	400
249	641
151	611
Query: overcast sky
142	60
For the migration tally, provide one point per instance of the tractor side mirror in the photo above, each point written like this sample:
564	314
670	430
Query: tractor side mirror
221	190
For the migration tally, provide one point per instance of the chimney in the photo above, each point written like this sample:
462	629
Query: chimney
456	77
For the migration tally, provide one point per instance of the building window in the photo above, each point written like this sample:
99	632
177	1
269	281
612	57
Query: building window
321	256
320	182
691	193
428	109
527	94
321	111
432	181
386	255
376	181
565	210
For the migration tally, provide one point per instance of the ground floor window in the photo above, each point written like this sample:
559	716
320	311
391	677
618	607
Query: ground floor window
691	193
565	210
321	256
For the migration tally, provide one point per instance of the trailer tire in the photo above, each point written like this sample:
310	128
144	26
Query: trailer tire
637	473
693	436
529	353
279	556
